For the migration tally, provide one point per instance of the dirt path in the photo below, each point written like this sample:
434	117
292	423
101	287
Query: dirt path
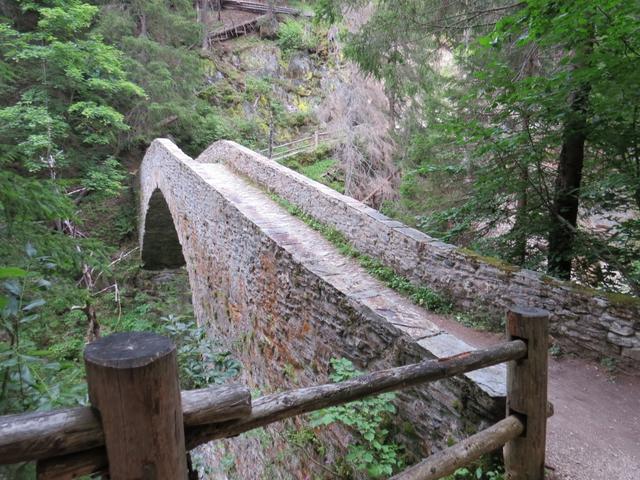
595	431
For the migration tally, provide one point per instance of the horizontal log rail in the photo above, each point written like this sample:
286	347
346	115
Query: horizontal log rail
69	443
457	456
280	406
32	436
306	144
300	140
255	7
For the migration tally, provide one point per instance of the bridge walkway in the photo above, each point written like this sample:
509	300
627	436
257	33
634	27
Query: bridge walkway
319	256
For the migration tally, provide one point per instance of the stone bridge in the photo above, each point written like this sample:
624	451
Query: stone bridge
286	301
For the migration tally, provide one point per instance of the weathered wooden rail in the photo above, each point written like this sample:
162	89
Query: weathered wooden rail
232	31
255	7
227	32
306	144
141	426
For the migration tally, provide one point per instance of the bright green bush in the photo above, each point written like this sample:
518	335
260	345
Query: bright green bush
373	451
292	36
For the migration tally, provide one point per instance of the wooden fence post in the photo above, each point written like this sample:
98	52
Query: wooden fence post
527	394
133	383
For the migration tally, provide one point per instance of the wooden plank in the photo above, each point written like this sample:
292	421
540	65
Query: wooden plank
217	403
36	435
31	436
232	31
133	383
461	454
527	394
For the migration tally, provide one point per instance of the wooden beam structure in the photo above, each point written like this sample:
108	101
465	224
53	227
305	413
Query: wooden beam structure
449	460
272	408
279	406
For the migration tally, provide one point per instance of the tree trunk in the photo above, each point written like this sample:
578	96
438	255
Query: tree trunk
564	212
142	18
519	227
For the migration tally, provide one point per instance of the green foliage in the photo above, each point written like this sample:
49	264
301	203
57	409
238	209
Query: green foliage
485	139
69	87
292	36
477	473
43	328
202	362
25	199
373	450
327	11
159	40
31	377
318	165
609	364
316	171
106	178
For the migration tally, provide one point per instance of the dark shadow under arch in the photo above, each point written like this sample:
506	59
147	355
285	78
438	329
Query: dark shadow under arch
160	245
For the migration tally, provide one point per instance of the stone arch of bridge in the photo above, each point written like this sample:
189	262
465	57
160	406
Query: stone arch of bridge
160	246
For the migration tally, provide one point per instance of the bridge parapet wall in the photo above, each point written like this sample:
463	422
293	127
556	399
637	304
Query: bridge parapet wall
583	320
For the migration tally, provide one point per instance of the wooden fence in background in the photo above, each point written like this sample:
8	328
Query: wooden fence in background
232	30
306	144
140	425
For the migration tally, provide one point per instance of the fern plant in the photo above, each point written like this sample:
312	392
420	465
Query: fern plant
373	451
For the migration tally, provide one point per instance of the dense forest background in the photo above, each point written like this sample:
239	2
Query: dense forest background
511	128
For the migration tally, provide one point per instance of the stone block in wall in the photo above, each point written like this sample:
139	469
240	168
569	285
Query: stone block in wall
625	342
621	328
632	353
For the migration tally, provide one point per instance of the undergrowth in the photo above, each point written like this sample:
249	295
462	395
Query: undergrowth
44	322
373	450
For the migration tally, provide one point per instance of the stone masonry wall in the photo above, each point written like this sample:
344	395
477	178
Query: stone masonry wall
285	302
592	323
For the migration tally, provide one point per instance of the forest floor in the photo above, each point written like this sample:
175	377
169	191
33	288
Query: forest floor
594	433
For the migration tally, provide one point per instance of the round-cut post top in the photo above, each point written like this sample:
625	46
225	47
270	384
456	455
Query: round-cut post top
128	350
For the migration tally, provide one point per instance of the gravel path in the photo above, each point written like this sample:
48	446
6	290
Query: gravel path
595	431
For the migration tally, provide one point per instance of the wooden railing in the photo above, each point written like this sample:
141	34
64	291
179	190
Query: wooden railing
232	30
306	144
256	7
141	426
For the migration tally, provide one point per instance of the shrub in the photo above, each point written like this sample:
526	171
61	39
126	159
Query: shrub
373	451
292	36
